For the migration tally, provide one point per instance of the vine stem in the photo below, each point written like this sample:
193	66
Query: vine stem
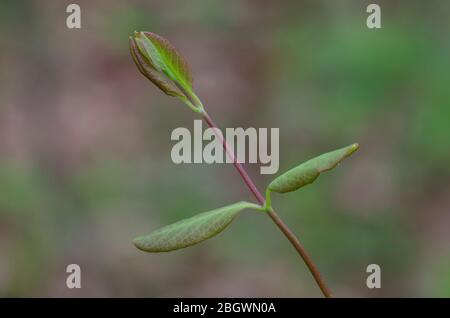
270	211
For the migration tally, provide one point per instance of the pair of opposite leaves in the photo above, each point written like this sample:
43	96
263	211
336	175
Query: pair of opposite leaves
160	62
202	226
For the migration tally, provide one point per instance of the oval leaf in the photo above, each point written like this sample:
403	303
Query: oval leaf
191	231
308	171
165	58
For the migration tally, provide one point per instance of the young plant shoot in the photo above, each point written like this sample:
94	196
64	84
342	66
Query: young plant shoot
162	64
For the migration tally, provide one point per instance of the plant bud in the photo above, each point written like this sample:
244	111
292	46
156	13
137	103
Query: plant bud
146	67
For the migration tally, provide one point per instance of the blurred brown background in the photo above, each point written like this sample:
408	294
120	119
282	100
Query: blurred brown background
85	147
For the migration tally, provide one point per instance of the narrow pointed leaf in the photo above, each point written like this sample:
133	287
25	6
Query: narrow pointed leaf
165	58
308	171
191	231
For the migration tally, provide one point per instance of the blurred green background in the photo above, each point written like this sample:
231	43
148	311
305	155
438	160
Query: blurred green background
85	147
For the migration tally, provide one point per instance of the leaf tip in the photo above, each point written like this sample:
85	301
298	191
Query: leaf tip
353	148
139	243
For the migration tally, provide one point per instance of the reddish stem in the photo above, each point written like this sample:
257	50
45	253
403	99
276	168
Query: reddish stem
273	215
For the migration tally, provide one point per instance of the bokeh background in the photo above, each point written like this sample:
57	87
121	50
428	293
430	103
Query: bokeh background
85	147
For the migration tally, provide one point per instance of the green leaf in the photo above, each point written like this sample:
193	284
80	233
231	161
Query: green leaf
163	57
308	171
148	70
191	231
160	62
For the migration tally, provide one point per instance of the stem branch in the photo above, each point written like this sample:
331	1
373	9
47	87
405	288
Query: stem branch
273	215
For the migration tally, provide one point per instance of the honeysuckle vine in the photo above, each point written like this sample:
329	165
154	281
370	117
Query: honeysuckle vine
162	64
